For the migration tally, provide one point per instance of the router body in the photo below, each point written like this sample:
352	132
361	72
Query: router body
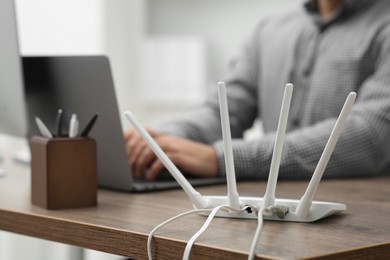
318	210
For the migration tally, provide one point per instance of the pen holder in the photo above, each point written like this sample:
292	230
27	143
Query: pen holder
63	172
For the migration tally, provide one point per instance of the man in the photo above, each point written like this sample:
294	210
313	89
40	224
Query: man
327	48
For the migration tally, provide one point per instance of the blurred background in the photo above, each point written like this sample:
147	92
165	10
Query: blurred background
165	56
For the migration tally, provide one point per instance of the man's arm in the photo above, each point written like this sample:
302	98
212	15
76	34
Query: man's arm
363	147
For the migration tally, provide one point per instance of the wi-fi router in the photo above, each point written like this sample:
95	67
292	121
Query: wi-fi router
280	209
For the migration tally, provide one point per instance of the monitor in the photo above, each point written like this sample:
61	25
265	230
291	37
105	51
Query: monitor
12	99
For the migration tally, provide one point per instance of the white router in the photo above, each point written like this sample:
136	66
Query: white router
303	210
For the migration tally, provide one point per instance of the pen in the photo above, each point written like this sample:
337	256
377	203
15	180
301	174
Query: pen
89	126
59	123
73	126
42	128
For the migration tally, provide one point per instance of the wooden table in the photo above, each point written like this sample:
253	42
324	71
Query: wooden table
121	222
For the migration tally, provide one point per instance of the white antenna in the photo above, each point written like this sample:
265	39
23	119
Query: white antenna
318	209
233	196
194	196
304	205
269	196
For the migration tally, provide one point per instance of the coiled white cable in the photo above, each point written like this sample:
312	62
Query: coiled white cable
190	242
188	248
278	210
167	222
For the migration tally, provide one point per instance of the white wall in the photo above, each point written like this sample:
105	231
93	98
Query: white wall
124	34
225	24
59	27
222	24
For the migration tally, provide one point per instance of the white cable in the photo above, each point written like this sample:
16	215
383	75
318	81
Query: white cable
255	240
275	210
187	250
167	222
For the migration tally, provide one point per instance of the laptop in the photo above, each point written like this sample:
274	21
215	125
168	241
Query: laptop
84	85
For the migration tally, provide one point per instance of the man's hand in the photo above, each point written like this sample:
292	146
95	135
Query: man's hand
191	157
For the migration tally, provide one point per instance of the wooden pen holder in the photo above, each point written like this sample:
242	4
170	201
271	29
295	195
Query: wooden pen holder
63	172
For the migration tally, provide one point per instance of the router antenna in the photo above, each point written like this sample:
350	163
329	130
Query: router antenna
194	196
304	205
269	197
233	196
